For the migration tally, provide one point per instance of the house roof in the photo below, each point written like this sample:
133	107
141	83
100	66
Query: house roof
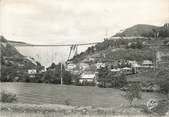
145	62
72	65
115	70
87	76
126	68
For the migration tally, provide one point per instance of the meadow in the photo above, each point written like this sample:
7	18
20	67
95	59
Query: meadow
34	93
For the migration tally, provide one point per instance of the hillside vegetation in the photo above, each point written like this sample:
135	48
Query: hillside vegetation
137	30
154	37
13	64
7	49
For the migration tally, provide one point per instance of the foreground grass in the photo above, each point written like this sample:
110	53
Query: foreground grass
34	93
46	100
53	110
5	114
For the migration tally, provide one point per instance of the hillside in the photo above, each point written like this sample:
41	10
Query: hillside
114	50
12	62
128	49
137	30
10	53
7	49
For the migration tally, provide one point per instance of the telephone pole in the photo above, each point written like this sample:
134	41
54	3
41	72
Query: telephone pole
61	77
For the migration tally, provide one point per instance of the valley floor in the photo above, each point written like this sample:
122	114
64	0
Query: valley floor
49	100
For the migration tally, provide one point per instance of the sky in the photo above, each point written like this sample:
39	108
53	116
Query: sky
76	21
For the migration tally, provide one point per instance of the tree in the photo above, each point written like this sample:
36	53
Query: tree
133	92
163	81
67	77
122	80
53	65
53	75
136	45
164	32
50	77
39	67
118	80
8	73
102	73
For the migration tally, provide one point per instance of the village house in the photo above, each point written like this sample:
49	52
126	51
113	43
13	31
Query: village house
100	65
42	71
88	60
83	66
87	78
32	72
116	70
147	64
133	63
127	70
76	72
70	67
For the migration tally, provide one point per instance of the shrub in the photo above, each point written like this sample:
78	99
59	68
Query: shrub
68	102
160	109
106	77
163	81
8	97
133	92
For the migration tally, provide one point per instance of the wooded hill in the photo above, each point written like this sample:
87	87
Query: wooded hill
12	62
154	37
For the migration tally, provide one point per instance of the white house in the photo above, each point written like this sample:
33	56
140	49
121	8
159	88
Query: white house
127	70
83	66
71	66
116	70
87	77
100	65
88	59
32	71
134	64
147	63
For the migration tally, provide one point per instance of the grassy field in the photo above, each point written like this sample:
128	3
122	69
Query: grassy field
34	93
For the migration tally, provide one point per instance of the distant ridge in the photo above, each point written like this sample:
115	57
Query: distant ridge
137	30
16	43
10	52
7	49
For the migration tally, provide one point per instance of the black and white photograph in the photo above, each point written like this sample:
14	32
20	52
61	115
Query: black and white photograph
84	58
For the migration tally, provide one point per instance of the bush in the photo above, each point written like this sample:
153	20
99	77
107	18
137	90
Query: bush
106	78
160	109
68	102
163	81
8	97
136	45
133	92
86	83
